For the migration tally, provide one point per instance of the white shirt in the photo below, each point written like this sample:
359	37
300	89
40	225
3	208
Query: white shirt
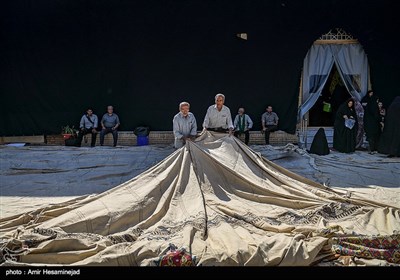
216	119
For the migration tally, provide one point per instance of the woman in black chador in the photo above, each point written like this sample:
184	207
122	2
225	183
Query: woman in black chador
319	144
390	139
345	128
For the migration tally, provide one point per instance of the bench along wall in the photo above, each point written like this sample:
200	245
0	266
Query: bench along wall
127	138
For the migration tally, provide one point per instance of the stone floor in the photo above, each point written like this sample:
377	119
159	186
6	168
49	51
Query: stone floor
33	176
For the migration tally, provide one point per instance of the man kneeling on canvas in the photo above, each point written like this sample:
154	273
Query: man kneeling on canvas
184	125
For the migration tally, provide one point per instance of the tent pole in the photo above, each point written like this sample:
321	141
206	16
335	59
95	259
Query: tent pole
303	122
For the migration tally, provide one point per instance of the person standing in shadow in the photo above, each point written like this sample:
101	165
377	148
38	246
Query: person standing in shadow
372	124
390	139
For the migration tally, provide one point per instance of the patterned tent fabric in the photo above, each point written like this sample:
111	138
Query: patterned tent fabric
380	247
215	199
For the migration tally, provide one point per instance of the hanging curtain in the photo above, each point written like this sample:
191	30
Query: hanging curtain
352	64
317	66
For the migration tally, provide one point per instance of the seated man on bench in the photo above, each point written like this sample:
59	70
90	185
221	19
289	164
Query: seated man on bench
88	124
269	121
109	123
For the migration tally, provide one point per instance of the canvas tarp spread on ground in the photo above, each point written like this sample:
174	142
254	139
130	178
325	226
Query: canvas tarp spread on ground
351	63
221	201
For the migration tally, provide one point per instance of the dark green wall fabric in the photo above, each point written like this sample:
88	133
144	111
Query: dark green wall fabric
59	57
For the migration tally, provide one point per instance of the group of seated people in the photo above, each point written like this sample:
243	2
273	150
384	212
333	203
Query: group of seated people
218	118
89	124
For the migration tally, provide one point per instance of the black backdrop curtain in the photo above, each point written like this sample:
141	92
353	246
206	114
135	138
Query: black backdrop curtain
145	57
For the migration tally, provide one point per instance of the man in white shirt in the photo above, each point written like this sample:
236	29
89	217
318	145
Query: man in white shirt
184	125
218	117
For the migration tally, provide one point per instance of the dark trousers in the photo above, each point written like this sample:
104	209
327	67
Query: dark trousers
246	136
270	128
104	132
83	133
218	129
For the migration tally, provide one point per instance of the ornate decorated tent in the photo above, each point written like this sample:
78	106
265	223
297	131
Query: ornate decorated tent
335	58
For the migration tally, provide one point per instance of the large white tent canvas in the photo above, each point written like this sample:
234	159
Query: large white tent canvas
221	201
